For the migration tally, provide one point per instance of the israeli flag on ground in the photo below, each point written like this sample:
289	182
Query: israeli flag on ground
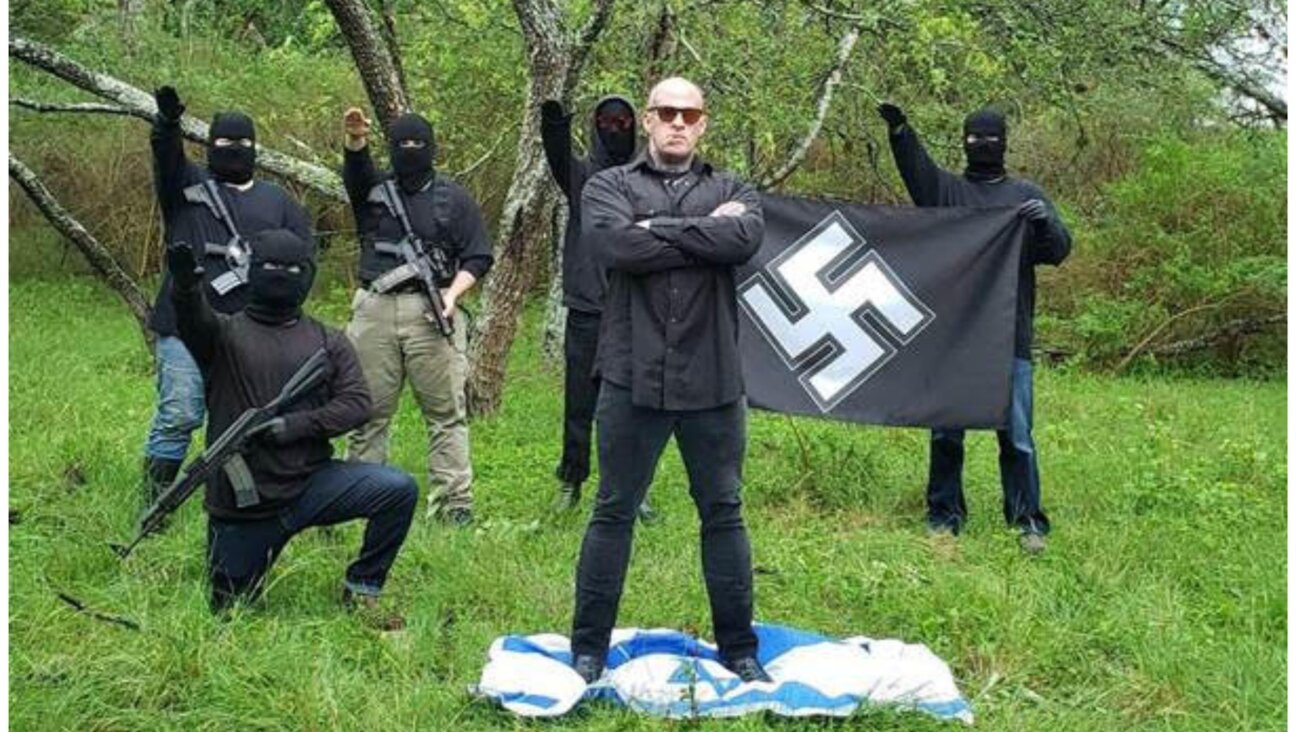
667	673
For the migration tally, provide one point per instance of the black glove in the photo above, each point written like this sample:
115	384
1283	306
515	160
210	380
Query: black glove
552	110
185	270
168	103
1034	210
272	432
895	118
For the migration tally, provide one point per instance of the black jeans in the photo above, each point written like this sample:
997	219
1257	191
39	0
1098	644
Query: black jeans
630	440
239	553
1018	467
580	395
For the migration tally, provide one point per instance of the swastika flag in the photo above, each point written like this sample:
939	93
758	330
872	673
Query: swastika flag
884	315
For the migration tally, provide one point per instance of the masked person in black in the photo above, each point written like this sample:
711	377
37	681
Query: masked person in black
611	142
194	204
389	324
245	360
985	183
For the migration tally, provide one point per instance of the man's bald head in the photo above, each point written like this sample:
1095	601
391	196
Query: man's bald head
677	89
674	120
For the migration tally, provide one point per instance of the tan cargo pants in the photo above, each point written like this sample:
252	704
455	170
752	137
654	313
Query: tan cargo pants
393	339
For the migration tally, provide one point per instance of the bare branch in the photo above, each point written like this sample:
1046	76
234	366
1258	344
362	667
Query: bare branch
141	105
85	107
100	259
844	49
585	39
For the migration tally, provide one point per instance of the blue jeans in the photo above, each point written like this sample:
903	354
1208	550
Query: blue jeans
180	407
1018	467
239	553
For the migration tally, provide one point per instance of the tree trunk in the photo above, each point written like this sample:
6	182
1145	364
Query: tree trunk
554	64
374	61
95	253
555	312
141	105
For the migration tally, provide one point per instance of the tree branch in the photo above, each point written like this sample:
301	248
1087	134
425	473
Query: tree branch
100	259
373	59
141	105
585	40
844	49
84	107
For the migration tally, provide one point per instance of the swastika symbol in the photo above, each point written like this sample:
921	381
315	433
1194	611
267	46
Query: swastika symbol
811	300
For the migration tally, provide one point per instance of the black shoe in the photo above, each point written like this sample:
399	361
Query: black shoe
159	474
459	516
749	670
590	668
647	516
568	496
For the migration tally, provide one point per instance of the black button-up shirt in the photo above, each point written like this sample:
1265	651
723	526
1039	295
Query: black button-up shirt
670	320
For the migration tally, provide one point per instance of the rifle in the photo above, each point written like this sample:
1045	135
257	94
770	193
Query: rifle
427	264
226	454
237	252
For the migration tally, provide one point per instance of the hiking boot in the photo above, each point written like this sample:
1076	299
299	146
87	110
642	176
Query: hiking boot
366	608
458	516
647	516
749	670
1031	542
568	496
588	667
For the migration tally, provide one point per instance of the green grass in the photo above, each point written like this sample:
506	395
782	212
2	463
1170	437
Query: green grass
1160	604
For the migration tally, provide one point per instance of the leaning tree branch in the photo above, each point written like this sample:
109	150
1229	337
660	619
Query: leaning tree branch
141	105
83	107
373	59
844	49
1230	330
95	253
580	49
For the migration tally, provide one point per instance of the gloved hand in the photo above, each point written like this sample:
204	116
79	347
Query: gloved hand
184	268
272	432
1034	210
552	110
894	117
168	103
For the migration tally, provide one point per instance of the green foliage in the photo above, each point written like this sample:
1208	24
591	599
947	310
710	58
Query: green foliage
1195	237
1148	611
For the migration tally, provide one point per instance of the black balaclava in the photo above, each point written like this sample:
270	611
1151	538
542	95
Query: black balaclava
612	147
985	159
412	166
275	295
235	163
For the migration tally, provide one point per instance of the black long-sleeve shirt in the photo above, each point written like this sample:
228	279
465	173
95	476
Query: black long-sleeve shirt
245	363
442	213
262	206
670	320
583	278
1047	242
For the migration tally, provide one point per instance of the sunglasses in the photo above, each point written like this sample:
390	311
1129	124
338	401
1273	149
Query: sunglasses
668	114
614	121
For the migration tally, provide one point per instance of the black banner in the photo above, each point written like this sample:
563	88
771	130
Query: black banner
884	315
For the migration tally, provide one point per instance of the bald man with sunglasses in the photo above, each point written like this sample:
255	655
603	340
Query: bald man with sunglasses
670	230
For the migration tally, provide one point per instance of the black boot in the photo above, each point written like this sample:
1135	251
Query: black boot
159	474
568	496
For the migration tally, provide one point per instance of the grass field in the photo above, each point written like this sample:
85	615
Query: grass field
1160	604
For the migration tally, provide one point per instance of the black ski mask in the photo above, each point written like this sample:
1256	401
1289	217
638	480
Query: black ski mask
613	138
232	163
985	157
412	165
277	291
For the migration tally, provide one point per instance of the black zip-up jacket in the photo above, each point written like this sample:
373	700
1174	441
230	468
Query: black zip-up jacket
442	213
1047	242
245	364
261	207
670	320
584	281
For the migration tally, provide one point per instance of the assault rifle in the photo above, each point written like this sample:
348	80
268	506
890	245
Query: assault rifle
226	454
425	263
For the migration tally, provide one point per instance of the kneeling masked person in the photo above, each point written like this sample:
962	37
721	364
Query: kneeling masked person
246	359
